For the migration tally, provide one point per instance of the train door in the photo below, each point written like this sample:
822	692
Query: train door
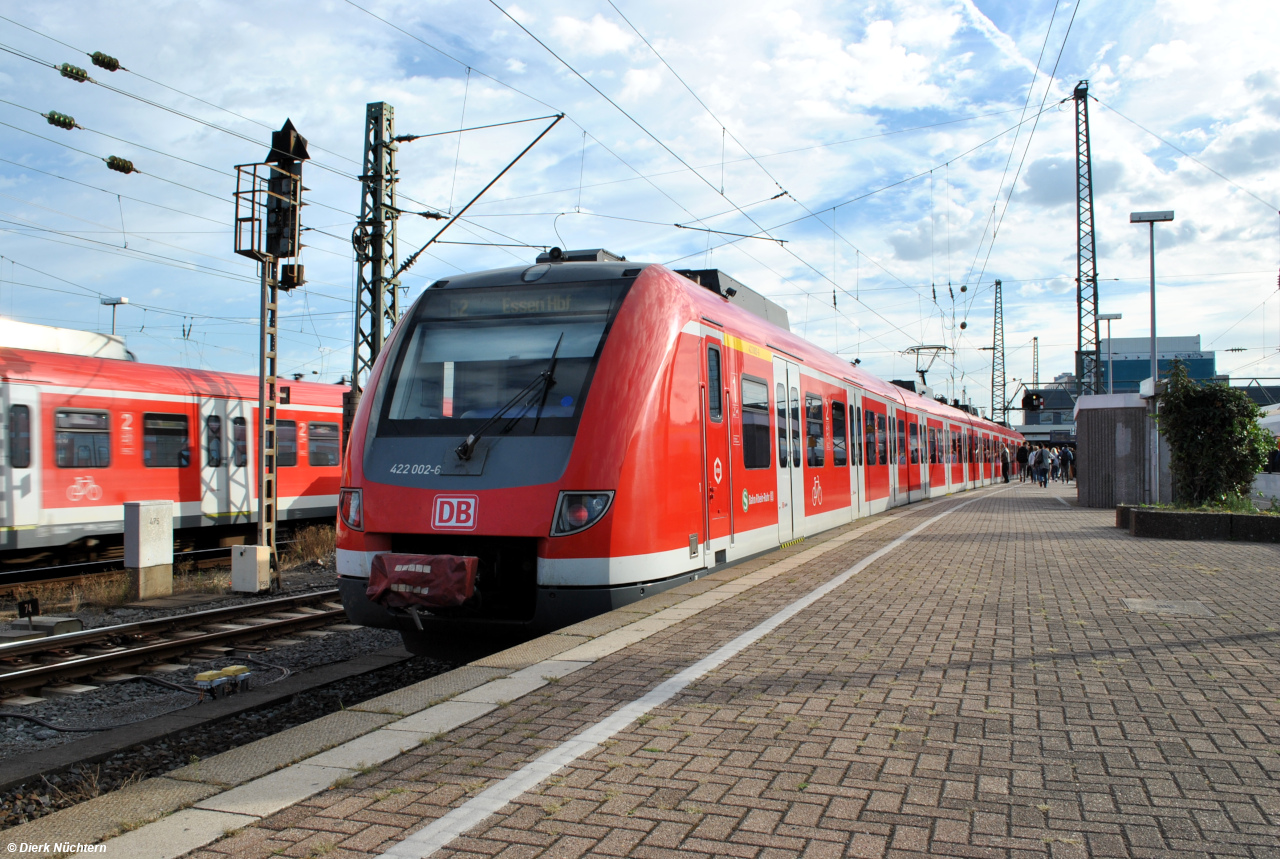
224	461
21	456
786	377
857	452
715	433
903	471
212	432
916	467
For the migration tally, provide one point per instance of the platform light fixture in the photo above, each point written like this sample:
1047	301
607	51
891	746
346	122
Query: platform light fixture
113	303
1151	219
1108	318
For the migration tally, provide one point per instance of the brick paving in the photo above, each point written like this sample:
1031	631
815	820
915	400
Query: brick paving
980	691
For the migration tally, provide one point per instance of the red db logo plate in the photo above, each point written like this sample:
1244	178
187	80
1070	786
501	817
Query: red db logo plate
455	512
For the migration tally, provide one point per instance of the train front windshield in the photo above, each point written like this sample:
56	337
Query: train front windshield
470	352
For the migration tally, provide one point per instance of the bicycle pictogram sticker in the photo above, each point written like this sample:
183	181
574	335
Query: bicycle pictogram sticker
816	494
83	488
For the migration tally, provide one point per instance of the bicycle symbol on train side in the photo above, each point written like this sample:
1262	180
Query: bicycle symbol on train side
816	495
83	488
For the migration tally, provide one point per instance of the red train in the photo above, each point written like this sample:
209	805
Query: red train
592	432
83	435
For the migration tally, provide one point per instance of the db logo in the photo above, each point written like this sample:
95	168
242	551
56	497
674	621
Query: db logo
455	512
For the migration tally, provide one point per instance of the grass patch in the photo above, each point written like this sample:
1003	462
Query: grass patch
314	543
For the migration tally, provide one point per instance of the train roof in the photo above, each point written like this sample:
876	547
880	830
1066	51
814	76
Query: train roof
81	372
750	311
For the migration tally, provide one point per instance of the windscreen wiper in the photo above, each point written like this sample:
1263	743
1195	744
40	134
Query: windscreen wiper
546	378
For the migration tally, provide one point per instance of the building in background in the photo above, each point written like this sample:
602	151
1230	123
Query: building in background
1131	360
1048	414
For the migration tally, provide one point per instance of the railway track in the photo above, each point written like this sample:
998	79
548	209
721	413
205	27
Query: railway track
114	649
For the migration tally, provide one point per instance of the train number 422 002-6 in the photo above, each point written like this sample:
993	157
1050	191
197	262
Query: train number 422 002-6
409	468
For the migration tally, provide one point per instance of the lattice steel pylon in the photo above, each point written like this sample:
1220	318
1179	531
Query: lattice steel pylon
1035	363
1088	363
374	239
999	408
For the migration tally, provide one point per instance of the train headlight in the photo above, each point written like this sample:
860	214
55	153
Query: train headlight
351	508
577	511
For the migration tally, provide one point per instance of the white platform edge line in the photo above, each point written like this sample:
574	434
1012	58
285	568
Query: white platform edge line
437	834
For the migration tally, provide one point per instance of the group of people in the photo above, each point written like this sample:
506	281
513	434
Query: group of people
1041	463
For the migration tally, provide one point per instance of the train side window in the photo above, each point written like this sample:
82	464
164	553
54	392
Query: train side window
715	394
82	439
286	443
780	405
913	430
795	428
239	443
164	441
882	440
855	434
869	436
325	447
213	441
839	446
902	441
815	446
19	437
755	423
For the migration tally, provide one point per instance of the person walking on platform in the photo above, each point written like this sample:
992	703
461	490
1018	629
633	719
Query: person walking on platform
1024	453
1040	467
1004	461
1068	457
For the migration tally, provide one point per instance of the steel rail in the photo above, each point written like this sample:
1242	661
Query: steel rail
136	653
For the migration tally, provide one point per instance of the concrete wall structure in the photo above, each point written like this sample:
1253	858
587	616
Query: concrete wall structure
1113	449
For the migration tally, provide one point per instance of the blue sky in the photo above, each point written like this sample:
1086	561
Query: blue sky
823	101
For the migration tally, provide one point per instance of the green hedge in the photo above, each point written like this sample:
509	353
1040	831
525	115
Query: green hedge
1217	446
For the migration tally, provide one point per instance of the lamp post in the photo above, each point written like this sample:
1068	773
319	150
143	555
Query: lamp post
1107	317
114	303
1151	219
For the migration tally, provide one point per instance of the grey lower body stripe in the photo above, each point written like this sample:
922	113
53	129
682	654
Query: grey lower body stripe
437	834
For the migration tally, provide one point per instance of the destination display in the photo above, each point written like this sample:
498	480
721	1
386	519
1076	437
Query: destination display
522	301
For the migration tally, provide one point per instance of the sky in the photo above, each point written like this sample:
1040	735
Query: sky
886	161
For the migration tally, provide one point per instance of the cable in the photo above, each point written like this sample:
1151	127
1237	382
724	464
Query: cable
1013	185
1269	205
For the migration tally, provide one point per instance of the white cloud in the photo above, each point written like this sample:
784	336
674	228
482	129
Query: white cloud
591	38
791	75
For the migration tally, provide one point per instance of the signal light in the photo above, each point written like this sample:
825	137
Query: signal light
121	165
61	120
75	73
103	61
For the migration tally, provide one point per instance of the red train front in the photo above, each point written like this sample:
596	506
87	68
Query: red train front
592	432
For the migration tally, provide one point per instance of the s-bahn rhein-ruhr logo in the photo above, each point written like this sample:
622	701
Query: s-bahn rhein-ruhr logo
455	512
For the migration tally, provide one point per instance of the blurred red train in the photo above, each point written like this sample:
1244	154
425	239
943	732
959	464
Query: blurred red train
83	435
592	432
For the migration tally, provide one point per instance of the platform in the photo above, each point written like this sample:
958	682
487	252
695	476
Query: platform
959	678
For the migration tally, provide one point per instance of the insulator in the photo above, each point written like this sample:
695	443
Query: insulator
964	325
60	119
76	73
121	165
103	61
